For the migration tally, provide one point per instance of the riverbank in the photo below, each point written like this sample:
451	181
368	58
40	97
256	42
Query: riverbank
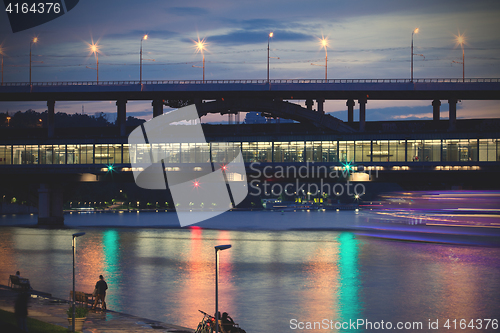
48	309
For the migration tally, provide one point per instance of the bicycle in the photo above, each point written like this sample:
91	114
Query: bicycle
207	324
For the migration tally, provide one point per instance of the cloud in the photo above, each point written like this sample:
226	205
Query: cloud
243	37
187	11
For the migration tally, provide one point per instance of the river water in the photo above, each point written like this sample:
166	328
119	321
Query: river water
283	270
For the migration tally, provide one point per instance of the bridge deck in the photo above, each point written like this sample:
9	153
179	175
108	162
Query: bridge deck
380	89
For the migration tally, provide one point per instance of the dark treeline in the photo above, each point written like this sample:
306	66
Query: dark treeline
33	119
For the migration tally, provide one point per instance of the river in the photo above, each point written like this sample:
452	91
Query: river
284	270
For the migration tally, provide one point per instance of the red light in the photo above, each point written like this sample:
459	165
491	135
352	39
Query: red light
196	184
224	167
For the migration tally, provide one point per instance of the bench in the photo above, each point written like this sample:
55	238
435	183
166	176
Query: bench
82	297
15	282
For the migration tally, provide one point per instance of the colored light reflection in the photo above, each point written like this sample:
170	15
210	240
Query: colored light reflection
112	253
349	293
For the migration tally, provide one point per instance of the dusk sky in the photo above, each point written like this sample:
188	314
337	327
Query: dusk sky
367	39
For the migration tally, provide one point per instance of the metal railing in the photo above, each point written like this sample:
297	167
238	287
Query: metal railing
249	81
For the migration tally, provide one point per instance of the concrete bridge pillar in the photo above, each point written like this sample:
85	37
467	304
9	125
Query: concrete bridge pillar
50	205
157	107
50	118
121	119
309	104
453	114
320	105
362	114
436	109
350	110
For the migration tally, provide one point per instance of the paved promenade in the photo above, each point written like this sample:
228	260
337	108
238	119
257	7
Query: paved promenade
53	310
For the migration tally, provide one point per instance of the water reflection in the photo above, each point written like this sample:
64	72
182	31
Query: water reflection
267	278
350	292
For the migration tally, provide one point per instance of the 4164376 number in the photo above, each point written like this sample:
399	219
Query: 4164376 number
35	8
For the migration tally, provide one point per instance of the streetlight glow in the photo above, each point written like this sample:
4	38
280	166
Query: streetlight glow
200	46
34	40
323	42
460	40
271	34
94	49
145	37
412	54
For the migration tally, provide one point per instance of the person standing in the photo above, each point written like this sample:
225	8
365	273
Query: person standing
101	286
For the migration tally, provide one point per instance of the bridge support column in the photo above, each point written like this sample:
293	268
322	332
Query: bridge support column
350	110
362	114
320	105
50	205
452	114
50	118
436	109
121	119
309	104
157	107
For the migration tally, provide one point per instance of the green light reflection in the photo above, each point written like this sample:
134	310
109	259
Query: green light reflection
111	246
348	294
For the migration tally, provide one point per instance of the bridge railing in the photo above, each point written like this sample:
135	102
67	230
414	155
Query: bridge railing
250	81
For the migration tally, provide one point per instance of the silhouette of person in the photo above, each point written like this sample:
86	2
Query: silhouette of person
101	286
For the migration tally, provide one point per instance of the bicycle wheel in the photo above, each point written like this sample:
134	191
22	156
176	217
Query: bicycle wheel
199	328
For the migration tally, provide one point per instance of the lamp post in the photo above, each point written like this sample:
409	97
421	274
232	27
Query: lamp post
94	48
271	34
324	43
412	33
460	39
140	76
78	234
8	121
34	40
200	47
217	249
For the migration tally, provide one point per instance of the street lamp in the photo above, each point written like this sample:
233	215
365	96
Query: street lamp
140	77
271	34
460	39
8	121
94	48
34	40
217	249
324	43
412	33
78	234
200	47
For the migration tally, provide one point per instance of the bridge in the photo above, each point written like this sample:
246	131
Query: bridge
257	94
453	158
446	155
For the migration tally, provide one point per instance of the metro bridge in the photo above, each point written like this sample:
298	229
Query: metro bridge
268	97
467	156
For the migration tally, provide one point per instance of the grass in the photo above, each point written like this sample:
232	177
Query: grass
8	324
